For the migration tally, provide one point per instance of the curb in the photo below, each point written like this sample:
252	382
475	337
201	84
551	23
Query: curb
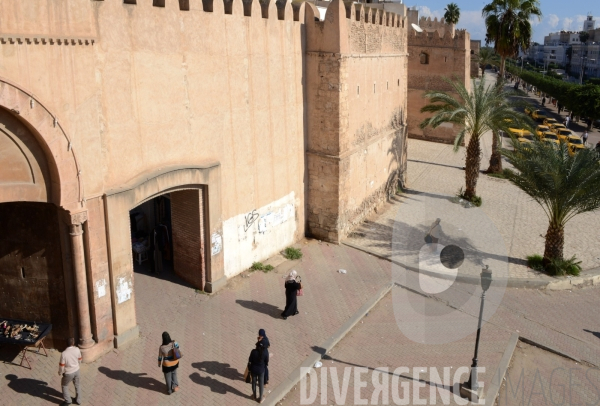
592	276
496	384
294	377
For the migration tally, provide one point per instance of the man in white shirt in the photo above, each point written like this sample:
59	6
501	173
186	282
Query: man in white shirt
69	369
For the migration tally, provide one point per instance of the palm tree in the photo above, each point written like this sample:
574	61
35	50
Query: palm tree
485	57
484	109
563	185
452	13
508	26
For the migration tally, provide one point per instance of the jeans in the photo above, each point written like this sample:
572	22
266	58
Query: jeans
261	384
65	381
171	378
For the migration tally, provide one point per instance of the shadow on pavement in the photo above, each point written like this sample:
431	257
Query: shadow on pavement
135	380
215	385
595	333
35	388
264	308
219	368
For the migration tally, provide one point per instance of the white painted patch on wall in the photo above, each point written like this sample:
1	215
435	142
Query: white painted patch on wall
124	289
259	234
101	288
447	125
216	244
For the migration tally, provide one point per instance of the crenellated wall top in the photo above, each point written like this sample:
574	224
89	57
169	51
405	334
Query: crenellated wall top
355	28
460	39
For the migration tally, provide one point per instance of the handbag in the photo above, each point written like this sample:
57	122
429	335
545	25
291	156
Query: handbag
176	352
300	292
247	376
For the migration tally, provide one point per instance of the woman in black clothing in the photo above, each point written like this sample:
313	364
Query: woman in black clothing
262	337
292	285
257	363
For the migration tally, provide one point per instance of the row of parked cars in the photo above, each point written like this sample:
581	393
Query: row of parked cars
550	131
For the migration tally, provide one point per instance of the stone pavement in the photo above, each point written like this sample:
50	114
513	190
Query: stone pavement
563	320
435	172
216	334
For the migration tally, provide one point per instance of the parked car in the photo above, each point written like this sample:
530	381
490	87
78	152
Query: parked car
540	129
564	134
549	121
549	136
555	127
539	115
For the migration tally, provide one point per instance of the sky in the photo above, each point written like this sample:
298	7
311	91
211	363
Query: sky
556	15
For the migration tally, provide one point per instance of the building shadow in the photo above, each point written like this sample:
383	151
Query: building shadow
261	307
219	368
216	386
35	388
136	380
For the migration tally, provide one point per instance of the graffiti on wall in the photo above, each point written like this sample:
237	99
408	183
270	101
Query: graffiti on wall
249	219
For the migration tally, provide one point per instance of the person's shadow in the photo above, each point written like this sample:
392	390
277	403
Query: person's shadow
135	380
264	308
215	385
33	387
595	333
218	368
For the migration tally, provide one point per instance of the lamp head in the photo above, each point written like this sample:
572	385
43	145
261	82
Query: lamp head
486	278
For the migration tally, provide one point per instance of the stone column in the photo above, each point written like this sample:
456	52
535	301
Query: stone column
79	270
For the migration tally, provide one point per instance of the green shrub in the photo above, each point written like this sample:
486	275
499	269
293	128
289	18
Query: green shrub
536	262
268	268
257	266
292	253
476	200
560	267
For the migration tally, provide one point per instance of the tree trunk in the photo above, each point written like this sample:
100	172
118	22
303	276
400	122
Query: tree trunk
473	161
502	64
496	158
555	241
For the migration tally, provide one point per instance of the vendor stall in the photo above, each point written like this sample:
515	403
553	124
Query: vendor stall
25	334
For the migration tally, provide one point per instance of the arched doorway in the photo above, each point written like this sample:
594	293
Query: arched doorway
35	272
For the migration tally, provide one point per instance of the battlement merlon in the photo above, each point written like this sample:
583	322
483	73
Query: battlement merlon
78	19
345	25
460	39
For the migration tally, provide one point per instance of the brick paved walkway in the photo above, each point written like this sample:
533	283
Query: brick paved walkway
216	334
564	320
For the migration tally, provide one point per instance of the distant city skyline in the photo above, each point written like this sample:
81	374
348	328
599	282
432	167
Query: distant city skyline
555	16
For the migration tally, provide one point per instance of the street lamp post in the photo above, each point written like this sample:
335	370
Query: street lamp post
472	385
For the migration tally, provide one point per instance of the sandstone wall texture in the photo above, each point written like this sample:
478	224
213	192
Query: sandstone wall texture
356	115
435	55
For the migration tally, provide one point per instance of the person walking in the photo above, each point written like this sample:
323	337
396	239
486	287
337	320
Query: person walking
262	337
543	100
168	361
292	285
585	137
257	364
567	120
68	368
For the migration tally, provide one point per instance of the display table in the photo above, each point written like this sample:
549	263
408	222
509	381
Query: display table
32	336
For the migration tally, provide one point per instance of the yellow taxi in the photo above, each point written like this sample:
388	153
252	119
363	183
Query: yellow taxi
528	111
541	129
549	121
550	137
539	115
555	127
575	142
573	149
519	132
564	134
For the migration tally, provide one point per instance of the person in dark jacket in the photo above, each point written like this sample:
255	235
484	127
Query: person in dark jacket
292	285
257	364
262	337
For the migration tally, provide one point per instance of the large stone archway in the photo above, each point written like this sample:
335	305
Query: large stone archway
206	179
65	186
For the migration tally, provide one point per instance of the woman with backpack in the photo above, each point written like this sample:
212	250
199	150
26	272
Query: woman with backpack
168	358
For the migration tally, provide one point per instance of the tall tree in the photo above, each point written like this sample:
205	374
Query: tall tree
485	57
485	109
584	36
563	185
452	13
508	26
